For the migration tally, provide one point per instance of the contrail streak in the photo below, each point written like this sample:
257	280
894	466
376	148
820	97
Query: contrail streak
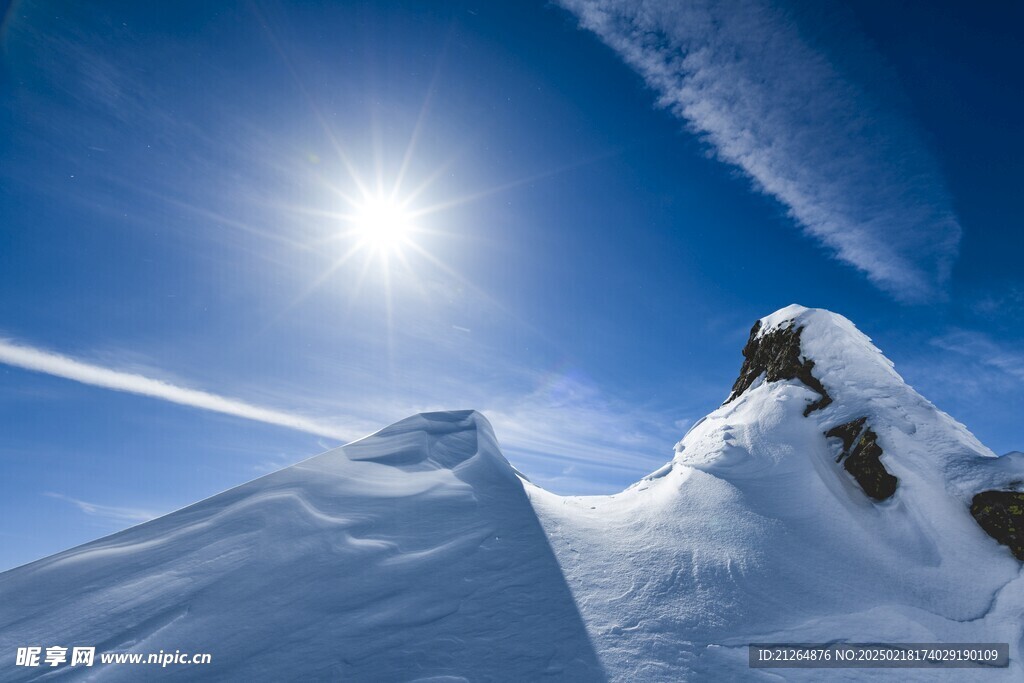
47	362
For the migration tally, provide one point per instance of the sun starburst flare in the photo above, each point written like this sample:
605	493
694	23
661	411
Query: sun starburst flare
382	225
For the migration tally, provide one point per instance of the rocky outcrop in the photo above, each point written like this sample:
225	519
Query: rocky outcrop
1001	515
776	354
861	457
848	434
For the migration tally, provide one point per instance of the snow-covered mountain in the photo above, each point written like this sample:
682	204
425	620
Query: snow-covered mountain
824	501
755	533
408	555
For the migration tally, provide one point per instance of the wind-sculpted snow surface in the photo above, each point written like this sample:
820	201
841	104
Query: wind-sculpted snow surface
754	533
412	554
415	554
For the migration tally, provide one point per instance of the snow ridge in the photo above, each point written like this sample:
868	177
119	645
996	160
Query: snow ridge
407	555
755	533
419	553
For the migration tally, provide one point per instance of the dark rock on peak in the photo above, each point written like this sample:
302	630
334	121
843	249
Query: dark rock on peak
861	457
848	433
1001	515
777	355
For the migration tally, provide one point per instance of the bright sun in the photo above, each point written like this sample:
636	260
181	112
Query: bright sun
382	224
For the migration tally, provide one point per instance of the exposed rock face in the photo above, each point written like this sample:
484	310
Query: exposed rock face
848	433
777	354
1001	515
861	457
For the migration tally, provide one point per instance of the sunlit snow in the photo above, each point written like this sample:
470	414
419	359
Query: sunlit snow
419	553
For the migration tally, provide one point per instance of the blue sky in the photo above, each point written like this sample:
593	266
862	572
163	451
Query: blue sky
605	195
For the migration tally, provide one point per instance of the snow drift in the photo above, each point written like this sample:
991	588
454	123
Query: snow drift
412	554
825	501
755	533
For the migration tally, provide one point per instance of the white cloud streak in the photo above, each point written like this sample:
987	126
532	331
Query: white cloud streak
110	512
857	176
39	360
982	349
562	431
569	436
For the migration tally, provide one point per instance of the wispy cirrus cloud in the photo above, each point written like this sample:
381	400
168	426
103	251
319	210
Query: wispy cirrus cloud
110	512
854	173
48	362
981	349
564	431
569	436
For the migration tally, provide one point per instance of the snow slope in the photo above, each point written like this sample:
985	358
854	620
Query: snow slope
753	533
419	554
412	554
